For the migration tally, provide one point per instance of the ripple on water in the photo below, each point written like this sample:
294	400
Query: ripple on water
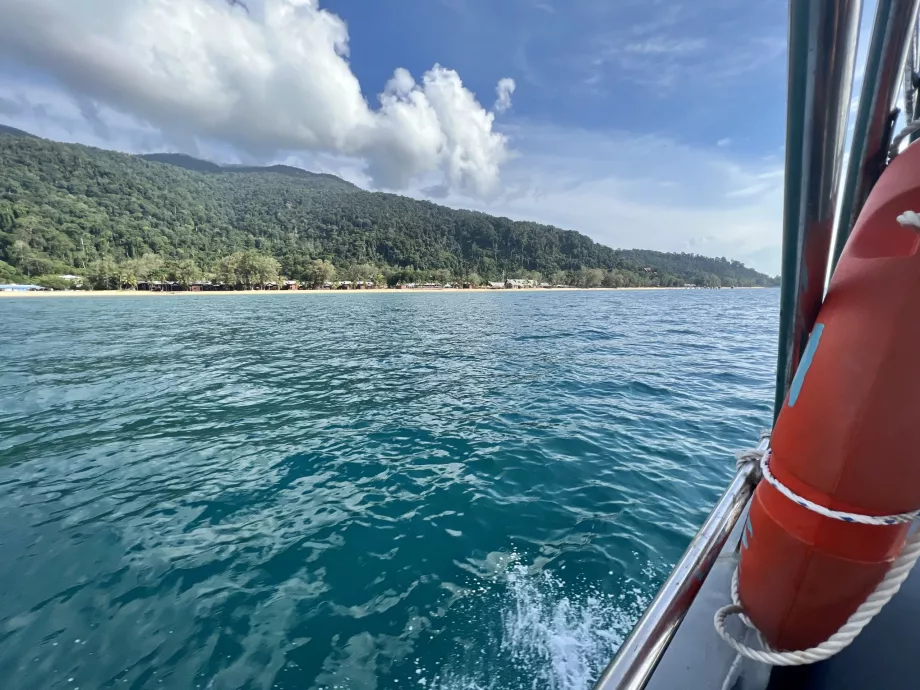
365	491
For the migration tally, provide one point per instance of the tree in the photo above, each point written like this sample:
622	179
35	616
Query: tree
707	280
146	267
226	270
587	277
54	282
104	274
611	280
267	269
254	268
475	279
360	272
29	261
319	271
7	216
184	271
248	268
296	266
8	274
440	276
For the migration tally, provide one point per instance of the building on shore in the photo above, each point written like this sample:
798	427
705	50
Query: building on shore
159	286
519	283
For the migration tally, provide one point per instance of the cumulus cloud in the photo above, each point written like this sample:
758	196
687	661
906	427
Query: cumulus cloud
272	80
504	90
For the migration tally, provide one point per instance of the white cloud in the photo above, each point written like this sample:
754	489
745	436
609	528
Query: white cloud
671	49
658	45
274	80
504	90
722	143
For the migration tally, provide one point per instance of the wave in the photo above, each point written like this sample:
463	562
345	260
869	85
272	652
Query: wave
552	635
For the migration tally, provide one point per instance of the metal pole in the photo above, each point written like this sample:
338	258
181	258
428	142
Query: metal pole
891	36
912	80
908	82
822	51
640	653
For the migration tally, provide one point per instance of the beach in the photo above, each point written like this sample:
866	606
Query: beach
224	293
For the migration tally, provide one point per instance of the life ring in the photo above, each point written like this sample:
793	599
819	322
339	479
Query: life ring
848	435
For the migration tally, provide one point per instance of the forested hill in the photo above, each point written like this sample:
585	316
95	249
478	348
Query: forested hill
74	209
189	163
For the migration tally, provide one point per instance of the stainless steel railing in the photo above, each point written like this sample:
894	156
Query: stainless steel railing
640	653
822	54
891	32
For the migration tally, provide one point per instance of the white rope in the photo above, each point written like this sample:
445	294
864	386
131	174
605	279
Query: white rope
751	454
849	631
909	128
734	672
898	519
909	219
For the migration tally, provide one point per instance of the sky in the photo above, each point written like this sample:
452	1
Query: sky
655	124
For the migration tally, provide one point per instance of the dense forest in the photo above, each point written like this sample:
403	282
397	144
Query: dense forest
117	218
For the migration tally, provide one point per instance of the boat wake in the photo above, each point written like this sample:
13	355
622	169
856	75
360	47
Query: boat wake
550	637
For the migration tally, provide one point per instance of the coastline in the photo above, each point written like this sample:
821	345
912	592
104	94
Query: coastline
218	293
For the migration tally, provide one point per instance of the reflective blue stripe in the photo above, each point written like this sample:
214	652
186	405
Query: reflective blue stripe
807	357
748	529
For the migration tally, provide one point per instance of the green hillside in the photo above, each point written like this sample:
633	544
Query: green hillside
74	209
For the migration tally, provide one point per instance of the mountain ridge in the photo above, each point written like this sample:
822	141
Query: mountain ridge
194	164
63	206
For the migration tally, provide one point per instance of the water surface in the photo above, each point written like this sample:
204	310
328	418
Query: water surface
364	492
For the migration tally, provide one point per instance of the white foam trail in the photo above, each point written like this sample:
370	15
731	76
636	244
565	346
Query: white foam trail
551	639
566	642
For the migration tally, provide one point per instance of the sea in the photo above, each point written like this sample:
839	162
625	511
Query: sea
440	491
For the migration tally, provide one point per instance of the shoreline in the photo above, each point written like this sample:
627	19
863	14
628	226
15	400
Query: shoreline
145	293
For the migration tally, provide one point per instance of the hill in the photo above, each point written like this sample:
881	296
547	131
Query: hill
67	208
12	131
181	160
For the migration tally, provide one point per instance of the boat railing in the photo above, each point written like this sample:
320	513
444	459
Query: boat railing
822	55
892	32
640	653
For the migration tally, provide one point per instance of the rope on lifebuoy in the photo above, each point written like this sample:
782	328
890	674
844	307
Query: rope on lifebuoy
910	218
879	520
849	631
895	148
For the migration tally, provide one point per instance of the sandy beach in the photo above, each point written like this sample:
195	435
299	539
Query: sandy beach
166	295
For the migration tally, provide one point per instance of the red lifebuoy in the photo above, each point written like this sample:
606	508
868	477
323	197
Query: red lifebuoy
848	435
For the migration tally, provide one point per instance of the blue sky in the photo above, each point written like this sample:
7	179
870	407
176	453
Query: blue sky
695	68
643	123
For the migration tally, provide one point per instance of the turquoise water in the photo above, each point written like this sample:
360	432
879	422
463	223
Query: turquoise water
451	491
